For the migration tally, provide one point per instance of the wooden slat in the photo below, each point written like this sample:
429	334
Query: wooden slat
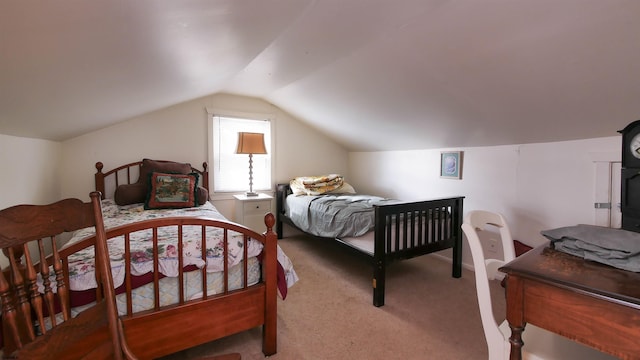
181	262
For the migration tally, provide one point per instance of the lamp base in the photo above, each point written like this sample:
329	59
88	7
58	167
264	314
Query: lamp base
248	193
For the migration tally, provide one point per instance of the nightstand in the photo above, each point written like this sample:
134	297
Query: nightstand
250	211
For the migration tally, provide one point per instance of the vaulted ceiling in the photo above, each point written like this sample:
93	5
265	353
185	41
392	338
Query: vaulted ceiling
372	74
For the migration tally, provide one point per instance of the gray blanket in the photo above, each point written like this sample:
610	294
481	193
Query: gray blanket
615	247
334	215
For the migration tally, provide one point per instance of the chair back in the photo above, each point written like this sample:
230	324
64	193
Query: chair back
476	227
34	290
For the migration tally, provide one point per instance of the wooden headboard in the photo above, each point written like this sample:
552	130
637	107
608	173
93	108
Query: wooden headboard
129	173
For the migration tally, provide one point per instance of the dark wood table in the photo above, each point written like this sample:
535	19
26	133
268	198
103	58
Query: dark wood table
585	301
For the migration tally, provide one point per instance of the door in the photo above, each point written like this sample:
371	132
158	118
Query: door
607	194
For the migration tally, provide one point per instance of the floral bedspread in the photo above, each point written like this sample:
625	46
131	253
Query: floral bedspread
82	264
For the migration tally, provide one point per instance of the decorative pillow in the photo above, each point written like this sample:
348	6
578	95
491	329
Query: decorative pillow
130	194
171	191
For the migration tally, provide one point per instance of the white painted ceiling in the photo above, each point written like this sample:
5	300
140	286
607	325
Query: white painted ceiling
372	74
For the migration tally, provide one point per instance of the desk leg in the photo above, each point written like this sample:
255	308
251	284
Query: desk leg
516	342
515	314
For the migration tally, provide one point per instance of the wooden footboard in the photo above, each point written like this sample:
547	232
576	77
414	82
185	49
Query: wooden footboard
402	231
166	329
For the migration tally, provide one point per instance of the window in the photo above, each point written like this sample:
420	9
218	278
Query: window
231	170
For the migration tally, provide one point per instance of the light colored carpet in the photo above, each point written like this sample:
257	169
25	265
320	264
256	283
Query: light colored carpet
329	314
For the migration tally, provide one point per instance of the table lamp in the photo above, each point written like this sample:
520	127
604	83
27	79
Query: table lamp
251	143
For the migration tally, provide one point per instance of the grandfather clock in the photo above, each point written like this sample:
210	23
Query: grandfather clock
630	196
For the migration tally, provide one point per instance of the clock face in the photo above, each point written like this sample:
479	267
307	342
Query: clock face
634	146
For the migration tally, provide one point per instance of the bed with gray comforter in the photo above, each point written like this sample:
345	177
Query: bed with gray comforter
383	230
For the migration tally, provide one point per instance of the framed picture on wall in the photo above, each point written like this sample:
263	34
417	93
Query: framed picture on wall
451	164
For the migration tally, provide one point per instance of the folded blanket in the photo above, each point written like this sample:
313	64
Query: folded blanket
615	247
316	185
316	180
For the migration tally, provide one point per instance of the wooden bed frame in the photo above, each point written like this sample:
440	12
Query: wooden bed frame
166	330
123	174
412	236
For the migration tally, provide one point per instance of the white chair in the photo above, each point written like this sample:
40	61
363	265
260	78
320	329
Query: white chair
538	343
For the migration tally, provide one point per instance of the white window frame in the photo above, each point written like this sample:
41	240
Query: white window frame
213	114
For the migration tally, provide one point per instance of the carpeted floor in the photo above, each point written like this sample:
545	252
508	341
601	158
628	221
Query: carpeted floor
329	314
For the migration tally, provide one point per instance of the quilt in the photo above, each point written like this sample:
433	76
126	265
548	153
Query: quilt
82	266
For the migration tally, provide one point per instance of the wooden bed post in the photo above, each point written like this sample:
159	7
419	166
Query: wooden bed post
379	270
270	327
205	176
456	270
100	179
379	261
281	196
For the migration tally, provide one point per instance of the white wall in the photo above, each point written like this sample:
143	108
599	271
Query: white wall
29	171
179	133
556	185
535	186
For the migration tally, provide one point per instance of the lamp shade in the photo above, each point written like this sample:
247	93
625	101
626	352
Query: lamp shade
251	143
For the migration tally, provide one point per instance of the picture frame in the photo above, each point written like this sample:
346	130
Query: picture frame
451	165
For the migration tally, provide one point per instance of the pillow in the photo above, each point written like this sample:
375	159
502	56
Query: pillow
171	191
137	193
202	196
130	194
346	188
161	166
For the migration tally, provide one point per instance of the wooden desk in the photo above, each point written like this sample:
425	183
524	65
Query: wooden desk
588	302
